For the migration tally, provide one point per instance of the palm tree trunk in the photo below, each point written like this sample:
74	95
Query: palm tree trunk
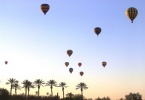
63	91
15	91
82	91
38	90
25	92
28	91
51	91
11	90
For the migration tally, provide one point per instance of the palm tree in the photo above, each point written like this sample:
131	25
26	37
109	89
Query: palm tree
81	86
63	85
51	83
27	85
11	81
16	86
70	95
38	83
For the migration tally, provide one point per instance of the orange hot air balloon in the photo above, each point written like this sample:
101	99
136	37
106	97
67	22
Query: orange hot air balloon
104	63
97	30
81	73
45	8
6	62
69	52
131	13
79	64
66	64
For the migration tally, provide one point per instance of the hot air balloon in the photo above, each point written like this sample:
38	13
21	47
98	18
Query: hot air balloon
6	62
70	70
131	13
69	52
104	63
66	64
97	30
81	73
79	64
45	8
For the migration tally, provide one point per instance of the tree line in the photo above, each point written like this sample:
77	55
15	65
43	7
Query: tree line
26	84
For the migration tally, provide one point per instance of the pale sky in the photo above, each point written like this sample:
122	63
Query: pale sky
35	45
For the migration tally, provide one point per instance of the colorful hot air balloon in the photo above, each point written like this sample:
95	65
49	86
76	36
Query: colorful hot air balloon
97	30
104	63
6	62
79	64
66	64
70	70
45	8
69	52
131	13
81	73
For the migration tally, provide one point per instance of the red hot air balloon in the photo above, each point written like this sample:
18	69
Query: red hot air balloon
79	64
97	30
44	8
81	73
6	62
104	63
69	52
66	64
70	70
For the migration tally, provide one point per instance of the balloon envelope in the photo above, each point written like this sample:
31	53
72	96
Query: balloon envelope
69	52
79	64
70	70
6	62
81	73
97	30
132	13
66	64
45	8
104	63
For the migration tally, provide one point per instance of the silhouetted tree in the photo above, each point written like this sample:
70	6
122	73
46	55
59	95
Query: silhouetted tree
81	86
121	99
27	85
98	98
11	81
38	83
51	83
78	97
104	98
70	95
133	96
4	94
63	85
16	86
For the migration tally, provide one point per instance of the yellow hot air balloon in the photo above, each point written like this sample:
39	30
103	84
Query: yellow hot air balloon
131	13
45	8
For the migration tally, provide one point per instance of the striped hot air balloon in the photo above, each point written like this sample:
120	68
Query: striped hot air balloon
44	8
131	13
97	30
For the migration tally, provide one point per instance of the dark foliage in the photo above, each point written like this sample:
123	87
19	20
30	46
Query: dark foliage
4	94
133	96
